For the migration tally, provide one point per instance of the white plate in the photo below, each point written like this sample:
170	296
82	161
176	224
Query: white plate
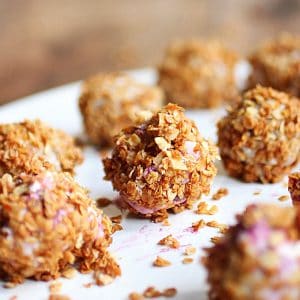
136	246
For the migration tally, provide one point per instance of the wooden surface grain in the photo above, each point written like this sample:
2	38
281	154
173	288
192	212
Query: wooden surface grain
49	43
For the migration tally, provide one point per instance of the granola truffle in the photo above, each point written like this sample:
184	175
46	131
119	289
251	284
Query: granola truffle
199	74
47	224
162	163
294	188
257	259
32	146
259	139
109	102
277	64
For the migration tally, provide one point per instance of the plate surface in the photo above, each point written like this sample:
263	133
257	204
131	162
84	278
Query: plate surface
136	247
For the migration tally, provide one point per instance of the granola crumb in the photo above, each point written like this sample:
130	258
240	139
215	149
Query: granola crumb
116	219
166	222
102	279
161	262
58	297
169	293
222	227
169	241
255	193
103	202
189	250
135	296
187	260
88	285
283	198
151	292
116	227
55	287
204	209
198	225
221	192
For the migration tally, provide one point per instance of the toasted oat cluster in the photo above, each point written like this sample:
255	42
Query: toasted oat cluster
109	102
294	188
32	146
277	64
199	74
161	163
47	224
257	259
259	138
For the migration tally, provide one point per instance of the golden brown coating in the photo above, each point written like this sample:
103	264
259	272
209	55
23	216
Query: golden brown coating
277	64
259	138
47	223
110	102
161	163
199	74
32	146
257	259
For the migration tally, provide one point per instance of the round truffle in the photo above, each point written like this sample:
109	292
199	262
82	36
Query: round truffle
110	102
294	188
199	74
47	224
257	259
277	64
259	138
32	146
162	163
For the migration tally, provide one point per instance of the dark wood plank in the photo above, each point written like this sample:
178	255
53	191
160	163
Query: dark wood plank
48	43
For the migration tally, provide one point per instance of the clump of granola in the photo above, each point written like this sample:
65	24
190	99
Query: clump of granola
259	139
109	102
294	188
161	164
169	241
220	193
152	292
48	224
199	74
277	64
32	146
259	258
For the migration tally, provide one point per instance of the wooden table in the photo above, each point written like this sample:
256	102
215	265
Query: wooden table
48	43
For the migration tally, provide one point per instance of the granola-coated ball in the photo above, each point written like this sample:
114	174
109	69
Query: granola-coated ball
257	259
199	74
110	102
259	139
47	224
294	188
32	146
162	163
277	64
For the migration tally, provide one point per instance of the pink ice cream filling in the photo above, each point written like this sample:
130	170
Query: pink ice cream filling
145	210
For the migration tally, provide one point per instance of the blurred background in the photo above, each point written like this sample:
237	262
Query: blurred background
48	43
